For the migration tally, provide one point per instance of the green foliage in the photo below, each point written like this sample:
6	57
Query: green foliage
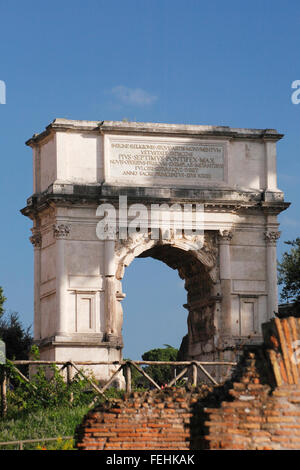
47	406
17	339
42	423
47	389
289	272
59	444
2	300
35	352
161	374
111	393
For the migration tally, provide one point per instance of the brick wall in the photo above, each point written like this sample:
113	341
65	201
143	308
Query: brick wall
258	409
153	420
262	411
257	418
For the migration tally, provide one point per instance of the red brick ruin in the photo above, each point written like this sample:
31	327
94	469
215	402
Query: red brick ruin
258	409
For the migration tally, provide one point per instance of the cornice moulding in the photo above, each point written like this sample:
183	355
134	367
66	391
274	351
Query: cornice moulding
151	128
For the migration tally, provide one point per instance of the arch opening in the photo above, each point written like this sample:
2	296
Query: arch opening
200	301
154	315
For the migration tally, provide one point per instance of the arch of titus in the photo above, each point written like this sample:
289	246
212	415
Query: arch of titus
229	270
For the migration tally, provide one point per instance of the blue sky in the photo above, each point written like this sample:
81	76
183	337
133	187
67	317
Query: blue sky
221	63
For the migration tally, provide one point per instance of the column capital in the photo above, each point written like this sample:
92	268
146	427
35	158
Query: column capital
271	237
225	236
61	231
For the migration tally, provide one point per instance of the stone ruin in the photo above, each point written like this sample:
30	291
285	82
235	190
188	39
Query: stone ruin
258	409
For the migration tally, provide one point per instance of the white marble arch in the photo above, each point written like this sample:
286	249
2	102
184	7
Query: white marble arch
78	165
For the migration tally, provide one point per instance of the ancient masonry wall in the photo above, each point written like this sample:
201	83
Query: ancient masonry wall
258	410
256	420
153	420
264	410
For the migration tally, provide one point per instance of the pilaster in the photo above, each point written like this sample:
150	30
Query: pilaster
271	238
61	233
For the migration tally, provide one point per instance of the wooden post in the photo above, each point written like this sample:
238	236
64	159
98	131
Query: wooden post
195	374
128	378
3	393
69	378
69	373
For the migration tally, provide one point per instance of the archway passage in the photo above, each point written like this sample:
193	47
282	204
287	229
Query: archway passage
200	300
154	315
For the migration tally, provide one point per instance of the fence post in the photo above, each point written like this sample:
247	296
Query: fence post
195	374
69	378
128	377
69	373
3	393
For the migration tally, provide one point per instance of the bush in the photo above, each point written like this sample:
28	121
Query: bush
40	424
42	392
47	388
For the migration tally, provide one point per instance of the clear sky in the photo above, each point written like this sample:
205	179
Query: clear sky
220	63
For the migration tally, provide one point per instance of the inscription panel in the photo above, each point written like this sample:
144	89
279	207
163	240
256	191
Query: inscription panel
160	161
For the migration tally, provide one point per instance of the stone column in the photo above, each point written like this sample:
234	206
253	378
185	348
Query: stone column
271	239
36	240
110	290
61	232
225	237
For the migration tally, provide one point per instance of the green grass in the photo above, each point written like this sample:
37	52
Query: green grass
42	423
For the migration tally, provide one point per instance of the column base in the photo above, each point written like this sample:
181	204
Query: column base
86	348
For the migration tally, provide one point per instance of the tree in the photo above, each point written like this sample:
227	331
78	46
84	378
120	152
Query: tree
2	300
289	273
17	339
161	374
